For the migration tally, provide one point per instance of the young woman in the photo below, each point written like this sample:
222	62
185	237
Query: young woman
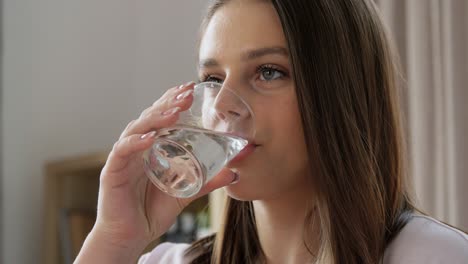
326	182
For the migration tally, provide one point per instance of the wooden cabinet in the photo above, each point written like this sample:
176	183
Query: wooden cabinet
71	191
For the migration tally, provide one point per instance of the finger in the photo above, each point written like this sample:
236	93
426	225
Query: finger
172	97
162	113
152	121
125	148
122	135
172	93
224	178
160	104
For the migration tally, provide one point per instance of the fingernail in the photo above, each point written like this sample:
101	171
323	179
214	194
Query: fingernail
171	111
185	85
236	178
151	134
184	95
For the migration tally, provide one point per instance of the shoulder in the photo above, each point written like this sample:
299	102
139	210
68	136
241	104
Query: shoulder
166	253
426	240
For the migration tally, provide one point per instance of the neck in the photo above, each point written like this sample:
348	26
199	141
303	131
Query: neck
281	230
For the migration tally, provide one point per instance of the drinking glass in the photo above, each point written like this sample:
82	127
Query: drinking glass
206	137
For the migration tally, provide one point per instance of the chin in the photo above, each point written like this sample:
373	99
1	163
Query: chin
242	193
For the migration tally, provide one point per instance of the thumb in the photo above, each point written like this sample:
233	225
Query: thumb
223	178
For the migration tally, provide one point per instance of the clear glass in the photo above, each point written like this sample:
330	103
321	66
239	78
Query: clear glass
206	137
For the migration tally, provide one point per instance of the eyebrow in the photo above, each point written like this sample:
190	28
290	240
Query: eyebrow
249	55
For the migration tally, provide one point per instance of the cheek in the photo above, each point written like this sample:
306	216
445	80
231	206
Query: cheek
281	164
288	139
286	143
285	123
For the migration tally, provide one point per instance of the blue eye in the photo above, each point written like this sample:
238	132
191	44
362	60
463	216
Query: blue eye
268	73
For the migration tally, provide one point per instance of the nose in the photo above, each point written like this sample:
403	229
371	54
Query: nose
229	106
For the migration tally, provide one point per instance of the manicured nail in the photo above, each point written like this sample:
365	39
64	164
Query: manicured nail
185	85
171	111
235	179
151	134
184	95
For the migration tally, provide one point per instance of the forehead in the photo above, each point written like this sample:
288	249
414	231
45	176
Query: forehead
239	26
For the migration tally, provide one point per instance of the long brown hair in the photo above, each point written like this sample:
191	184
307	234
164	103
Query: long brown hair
346	80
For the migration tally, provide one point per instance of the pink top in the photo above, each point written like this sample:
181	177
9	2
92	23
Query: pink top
423	240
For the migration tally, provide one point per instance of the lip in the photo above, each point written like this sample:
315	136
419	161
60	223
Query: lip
246	151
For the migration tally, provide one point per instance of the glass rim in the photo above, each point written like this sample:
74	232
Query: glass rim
250	135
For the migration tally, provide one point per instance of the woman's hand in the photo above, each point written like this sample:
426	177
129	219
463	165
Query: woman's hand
132	211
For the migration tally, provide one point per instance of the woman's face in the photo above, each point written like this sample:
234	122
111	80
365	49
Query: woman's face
244	48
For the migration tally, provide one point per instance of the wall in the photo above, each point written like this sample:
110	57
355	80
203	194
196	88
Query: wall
1	128
74	74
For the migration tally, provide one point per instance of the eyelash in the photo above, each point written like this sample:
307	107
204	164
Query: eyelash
210	78
269	67
259	70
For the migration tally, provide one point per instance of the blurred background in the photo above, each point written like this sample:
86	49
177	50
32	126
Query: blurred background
74	73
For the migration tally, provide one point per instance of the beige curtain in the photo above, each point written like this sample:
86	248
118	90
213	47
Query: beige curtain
432	39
